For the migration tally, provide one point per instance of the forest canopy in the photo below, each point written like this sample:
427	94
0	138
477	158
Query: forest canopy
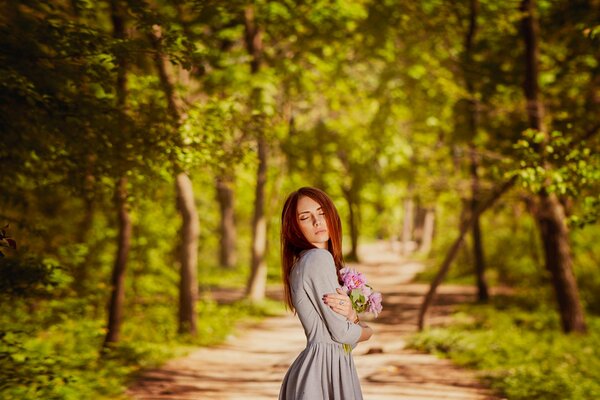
146	149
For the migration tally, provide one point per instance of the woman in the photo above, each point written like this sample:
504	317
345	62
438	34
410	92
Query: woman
311	241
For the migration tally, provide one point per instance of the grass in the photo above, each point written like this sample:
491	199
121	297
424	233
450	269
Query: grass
53	353
519	349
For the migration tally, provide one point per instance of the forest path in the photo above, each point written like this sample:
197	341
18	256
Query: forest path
252	364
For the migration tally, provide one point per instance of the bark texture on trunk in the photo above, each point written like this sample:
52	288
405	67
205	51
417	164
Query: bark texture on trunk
428	228
473	126
117	296
548	210
353	222
257	284
186	206
190	230
225	196
550	219
482	287
408	225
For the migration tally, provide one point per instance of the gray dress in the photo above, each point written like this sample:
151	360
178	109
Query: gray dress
324	370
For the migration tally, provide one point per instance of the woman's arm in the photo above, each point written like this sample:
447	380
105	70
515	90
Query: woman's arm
345	309
341	304
366	333
319	278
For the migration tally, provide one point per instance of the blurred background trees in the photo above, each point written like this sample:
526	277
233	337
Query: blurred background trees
146	149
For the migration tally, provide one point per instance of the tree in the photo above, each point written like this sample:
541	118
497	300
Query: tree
228	231
117	297
256	287
188	259
473	126
547	209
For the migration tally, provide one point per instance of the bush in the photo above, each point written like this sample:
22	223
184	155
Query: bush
523	354
54	352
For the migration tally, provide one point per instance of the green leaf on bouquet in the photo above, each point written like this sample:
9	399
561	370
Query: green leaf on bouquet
358	299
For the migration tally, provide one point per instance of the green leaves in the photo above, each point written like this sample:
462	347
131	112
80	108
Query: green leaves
560	166
359	301
520	352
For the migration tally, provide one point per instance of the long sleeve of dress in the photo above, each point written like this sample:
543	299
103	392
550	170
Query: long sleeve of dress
320	278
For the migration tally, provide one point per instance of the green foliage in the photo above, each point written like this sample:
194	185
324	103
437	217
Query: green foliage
29	276
520	351
368	100
54	352
562	166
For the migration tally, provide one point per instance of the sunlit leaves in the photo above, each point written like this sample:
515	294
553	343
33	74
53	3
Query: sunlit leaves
213	133
560	166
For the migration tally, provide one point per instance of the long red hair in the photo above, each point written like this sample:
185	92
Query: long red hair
293	241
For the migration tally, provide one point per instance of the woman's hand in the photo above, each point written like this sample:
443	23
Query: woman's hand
340	303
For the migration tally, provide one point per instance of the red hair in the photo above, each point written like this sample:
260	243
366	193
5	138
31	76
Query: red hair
293	241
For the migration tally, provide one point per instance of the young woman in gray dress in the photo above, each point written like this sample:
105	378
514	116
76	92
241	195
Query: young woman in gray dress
311	241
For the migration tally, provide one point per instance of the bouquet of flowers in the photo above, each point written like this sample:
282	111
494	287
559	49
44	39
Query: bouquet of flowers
361	294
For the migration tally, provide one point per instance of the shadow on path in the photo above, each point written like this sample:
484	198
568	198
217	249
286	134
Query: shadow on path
252	364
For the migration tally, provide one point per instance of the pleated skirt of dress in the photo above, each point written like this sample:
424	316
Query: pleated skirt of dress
323	371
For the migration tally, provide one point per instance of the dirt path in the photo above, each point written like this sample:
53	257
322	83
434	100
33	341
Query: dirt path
252	364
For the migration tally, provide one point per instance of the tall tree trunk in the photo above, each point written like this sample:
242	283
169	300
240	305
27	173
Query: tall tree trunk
473	126
257	282
353	222
190	229
548	212
428	227
418	224
407	225
117	296
186	205
482	287
225	196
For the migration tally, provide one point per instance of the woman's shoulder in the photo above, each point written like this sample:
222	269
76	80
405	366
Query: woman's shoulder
316	255
313	258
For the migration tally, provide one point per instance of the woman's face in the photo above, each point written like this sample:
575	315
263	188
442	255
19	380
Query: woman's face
311	219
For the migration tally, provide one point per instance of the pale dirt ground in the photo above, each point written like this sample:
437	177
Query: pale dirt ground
251	364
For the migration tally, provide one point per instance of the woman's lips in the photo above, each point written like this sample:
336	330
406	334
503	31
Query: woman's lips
321	231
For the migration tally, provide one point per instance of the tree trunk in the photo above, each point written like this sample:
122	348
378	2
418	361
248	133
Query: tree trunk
225	196
451	255
353	222
117	297
482	287
407	226
550	218
548	212
427	235
257	284
190	229
186	205
418	224
473	126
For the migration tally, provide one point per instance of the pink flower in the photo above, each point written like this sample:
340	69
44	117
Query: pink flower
374	303
366	290
361	295
352	278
